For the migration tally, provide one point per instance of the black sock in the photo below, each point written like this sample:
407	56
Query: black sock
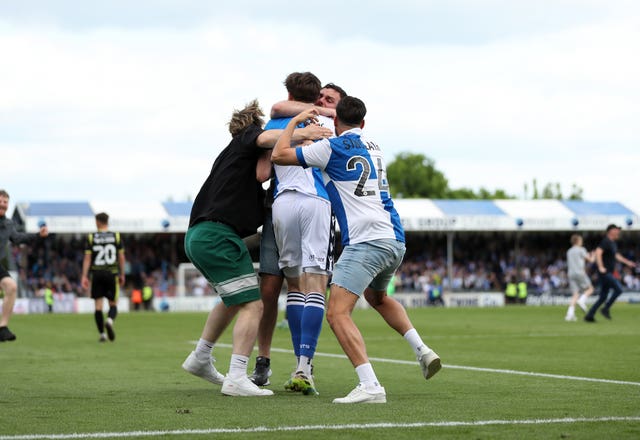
99	321
113	312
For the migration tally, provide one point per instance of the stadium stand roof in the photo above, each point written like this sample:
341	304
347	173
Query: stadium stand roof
416	214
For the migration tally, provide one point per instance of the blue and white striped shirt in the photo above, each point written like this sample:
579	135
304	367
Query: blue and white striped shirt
294	178
355	177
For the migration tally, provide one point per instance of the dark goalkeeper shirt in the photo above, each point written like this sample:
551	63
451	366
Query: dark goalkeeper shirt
231	194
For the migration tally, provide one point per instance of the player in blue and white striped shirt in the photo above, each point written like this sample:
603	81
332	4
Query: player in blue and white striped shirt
354	174
302	229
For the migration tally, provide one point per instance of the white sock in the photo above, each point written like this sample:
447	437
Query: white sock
203	349
367	376
571	311
304	365
414	339
238	366
582	298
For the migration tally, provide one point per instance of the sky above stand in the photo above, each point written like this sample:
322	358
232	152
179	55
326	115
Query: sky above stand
129	101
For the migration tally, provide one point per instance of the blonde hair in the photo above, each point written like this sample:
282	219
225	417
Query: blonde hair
575	239
241	119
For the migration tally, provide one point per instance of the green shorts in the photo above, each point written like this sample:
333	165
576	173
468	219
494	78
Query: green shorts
223	258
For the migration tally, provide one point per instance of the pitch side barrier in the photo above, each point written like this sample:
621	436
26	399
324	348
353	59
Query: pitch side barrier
453	299
71	303
496	299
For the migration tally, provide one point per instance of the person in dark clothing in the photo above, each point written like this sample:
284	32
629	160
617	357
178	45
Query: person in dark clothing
103	273
228	208
9	233
606	256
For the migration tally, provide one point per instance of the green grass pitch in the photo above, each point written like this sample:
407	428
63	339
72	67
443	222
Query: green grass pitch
57	381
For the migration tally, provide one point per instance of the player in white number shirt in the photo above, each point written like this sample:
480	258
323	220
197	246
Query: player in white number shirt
354	174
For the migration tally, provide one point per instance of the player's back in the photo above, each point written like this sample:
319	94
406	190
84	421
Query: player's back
104	247
576	260
359	191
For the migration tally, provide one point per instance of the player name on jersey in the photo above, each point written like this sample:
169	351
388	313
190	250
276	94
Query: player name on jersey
350	143
104	239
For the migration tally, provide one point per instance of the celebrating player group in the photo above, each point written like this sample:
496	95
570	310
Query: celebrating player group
322	167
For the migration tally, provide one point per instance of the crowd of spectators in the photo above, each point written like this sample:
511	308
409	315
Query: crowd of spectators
481	262
57	260
486	261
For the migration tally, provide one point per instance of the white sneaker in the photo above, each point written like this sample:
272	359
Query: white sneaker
582	304
570	318
110	331
360	395
203	368
243	387
429	362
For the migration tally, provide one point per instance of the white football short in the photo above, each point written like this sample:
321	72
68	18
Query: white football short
302	227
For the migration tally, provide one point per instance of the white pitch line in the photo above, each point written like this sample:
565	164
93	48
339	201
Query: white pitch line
551	376
464	367
352	426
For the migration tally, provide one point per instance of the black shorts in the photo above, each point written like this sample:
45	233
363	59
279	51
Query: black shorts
104	285
3	272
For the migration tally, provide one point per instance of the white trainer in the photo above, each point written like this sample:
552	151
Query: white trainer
203	368
360	395
570	318
110	332
243	387
582	303
429	362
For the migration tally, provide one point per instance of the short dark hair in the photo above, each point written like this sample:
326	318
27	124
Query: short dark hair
4	193
612	226
303	86
338	89
103	218
351	110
